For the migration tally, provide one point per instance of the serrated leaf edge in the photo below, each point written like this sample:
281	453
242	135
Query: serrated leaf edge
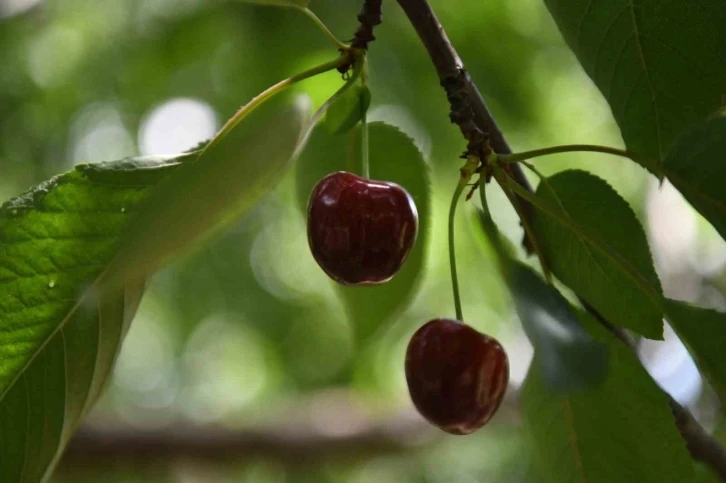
628	268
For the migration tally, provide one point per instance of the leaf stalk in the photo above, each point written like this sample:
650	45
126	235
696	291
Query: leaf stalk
270	92
323	28
569	148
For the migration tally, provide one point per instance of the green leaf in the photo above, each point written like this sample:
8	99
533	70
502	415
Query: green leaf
348	109
62	238
660	65
595	245
569	357
696	167
280	3
393	157
209	192
704	332
622	430
57	345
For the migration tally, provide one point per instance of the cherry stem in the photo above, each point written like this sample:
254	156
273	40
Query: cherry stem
270	92
366	169
365	156
466	173
594	148
452	251
324	28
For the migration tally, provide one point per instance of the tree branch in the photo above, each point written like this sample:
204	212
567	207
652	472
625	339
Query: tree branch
320	427
453	75
468	108
297	442
370	16
702	446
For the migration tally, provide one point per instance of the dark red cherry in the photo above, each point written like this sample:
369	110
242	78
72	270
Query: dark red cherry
360	231
456	376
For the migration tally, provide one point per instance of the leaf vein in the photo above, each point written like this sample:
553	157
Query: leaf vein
639	44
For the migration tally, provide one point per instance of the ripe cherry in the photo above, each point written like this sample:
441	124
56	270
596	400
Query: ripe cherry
360	231
456	376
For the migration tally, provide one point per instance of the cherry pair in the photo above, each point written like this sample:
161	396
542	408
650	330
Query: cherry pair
360	232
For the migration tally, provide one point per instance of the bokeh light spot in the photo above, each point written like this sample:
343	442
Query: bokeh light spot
8	8
98	134
47	66
670	364
176	126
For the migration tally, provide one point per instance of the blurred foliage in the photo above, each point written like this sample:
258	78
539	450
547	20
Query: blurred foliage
250	321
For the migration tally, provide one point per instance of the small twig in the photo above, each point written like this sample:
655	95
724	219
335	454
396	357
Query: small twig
369	16
701	445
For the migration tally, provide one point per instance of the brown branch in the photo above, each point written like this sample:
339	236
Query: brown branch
320	427
468	108
701	445
313	428
370	15
297	442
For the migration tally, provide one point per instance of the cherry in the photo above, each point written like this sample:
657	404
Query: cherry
456	376
360	231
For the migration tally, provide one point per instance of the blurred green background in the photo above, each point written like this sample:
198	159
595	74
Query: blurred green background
241	365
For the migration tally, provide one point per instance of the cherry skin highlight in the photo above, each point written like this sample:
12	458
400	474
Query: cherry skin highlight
360	231
456	376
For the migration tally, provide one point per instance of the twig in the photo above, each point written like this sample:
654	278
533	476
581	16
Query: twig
369	16
468	108
702	446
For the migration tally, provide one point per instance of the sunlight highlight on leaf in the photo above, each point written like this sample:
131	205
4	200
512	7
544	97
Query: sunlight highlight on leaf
59	339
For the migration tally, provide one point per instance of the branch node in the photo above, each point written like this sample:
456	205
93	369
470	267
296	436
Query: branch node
370	15
461	114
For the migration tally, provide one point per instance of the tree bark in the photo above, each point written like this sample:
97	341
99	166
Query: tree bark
461	89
